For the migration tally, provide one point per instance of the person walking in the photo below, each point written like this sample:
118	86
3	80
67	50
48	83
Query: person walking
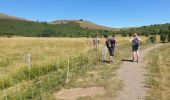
135	42
110	43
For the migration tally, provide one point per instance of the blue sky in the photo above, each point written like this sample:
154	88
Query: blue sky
113	13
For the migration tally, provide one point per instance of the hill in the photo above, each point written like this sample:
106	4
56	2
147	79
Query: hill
4	16
10	25
20	27
155	29
13	27
84	24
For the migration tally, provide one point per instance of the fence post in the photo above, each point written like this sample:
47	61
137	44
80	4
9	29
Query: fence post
68	71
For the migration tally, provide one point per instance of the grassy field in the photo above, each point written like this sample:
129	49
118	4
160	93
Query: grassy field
49	59
159	74
44	51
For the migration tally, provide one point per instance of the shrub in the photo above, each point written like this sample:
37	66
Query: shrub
124	34
146	34
130	34
163	37
169	37
152	39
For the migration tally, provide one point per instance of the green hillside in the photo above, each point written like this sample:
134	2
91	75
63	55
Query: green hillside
155	29
13	26
44	29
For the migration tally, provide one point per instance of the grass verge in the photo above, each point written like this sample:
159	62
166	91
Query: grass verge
158	80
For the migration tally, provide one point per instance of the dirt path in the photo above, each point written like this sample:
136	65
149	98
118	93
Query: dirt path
73	94
132	75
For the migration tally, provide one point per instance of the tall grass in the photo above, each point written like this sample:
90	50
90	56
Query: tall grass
49	64
54	79
158	80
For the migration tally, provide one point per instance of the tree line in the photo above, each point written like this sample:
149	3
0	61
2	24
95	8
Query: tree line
157	29
10	27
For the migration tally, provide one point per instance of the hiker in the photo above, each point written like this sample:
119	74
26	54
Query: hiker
135	41
110	43
104	50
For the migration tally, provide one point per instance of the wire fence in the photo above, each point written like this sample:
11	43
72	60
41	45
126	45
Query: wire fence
34	83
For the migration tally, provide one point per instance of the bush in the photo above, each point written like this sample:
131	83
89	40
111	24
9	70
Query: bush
169	37
130	34
163	37
146	34
124	34
152	39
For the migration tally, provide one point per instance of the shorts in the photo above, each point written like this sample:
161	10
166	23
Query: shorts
135	48
111	51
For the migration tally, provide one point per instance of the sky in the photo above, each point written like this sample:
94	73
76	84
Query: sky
112	13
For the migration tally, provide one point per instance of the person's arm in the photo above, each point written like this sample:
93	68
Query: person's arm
140	40
115	40
131	41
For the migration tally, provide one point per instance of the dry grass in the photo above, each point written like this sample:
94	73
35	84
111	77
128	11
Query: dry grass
46	52
43	51
159	74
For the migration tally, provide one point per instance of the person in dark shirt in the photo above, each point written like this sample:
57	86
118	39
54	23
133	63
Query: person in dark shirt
110	43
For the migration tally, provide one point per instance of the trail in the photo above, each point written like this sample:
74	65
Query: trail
132	75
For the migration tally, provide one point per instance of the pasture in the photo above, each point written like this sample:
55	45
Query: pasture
50	58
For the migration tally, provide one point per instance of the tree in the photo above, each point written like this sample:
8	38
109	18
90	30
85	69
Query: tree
152	39
169	37
88	34
48	33
163	37
161	31
145	33
169	34
130	33
124	33
81	19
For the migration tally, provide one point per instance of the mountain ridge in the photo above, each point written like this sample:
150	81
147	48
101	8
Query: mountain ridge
84	24
5	16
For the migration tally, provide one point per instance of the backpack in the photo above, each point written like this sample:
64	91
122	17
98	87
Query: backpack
110	43
136	42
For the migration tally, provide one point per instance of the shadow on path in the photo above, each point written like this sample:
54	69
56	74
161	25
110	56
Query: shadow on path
127	60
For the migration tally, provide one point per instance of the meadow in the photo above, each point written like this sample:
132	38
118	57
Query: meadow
45	55
43	51
50	58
